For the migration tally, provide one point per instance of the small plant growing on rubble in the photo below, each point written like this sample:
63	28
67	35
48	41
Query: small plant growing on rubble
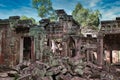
47	55
77	66
16	76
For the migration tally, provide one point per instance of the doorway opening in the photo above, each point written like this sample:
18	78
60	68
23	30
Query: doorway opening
27	48
71	45
111	48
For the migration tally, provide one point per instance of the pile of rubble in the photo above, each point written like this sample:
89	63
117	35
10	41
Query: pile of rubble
65	69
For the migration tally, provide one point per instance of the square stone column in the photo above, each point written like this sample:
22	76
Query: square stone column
32	49
21	51
100	50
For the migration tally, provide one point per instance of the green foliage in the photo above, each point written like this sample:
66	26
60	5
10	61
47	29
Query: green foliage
77	8
44	7
26	18
16	76
53	17
86	17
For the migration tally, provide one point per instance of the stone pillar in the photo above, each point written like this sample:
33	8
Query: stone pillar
78	46
1	60
35	44
32	50
100	51
21	51
88	57
65	49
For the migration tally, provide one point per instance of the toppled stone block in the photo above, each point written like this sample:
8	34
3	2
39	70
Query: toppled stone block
3	74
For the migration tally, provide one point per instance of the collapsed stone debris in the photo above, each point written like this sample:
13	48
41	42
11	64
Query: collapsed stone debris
64	69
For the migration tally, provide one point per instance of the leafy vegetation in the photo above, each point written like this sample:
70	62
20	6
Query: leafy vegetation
44	7
86	17
53	16
25	18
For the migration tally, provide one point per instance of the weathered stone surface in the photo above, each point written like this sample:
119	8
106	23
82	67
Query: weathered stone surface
3	74
6	78
77	78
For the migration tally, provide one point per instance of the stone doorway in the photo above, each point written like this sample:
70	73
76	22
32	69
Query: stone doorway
71	47
26	48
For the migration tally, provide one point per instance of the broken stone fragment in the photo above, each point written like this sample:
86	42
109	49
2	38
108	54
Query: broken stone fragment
79	67
95	75
64	70
79	71
78	62
77	78
54	63
22	67
3	74
53	71
63	77
47	78
12	73
38	72
49	73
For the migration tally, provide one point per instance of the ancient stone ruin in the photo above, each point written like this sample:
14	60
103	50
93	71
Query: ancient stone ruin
59	50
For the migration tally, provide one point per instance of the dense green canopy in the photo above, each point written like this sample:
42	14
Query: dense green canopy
44	7
86	17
